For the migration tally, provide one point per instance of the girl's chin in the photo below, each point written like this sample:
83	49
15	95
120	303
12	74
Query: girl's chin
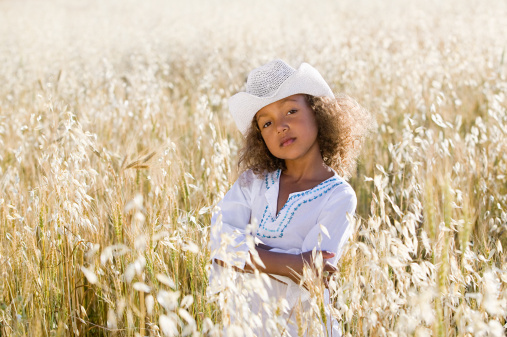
289	158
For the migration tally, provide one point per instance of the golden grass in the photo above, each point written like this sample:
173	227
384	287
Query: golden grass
115	142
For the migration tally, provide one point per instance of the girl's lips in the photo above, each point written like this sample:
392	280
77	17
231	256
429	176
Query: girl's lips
287	142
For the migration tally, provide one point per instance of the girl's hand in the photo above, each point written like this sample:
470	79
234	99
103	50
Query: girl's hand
263	246
328	268
307	256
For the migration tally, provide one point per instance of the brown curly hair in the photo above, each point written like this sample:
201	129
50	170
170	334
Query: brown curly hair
342	127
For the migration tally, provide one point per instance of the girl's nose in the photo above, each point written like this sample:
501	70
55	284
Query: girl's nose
282	127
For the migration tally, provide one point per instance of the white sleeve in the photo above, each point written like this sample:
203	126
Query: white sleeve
333	217
229	223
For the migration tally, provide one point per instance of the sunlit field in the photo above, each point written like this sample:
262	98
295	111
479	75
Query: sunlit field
116	143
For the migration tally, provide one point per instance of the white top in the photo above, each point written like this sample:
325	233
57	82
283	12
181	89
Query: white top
296	228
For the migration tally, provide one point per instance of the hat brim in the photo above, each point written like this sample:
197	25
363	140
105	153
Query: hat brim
306	80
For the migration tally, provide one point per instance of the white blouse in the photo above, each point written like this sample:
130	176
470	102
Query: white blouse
295	229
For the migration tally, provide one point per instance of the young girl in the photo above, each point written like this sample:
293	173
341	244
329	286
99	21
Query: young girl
300	141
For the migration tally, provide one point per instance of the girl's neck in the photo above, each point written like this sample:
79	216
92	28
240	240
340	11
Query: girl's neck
307	170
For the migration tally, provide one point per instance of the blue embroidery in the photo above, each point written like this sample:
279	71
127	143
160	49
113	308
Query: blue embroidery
272	175
291	206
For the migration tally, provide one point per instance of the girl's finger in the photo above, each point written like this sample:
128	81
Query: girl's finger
327	255
330	267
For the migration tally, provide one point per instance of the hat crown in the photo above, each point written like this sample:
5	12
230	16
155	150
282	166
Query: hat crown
265	81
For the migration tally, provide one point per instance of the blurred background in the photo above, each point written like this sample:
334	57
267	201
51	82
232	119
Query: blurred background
116	142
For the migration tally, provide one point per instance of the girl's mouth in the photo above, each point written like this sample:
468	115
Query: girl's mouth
287	142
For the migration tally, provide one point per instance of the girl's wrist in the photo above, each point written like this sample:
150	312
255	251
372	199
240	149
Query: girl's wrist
263	246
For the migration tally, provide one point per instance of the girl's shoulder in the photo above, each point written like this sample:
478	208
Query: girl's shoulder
249	178
246	178
342	189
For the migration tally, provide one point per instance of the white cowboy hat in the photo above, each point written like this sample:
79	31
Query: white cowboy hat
272	82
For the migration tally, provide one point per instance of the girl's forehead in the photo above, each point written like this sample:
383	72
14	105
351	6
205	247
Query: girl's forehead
298	98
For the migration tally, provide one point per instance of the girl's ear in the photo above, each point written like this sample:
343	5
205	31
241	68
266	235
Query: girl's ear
259	134
310	102
257	129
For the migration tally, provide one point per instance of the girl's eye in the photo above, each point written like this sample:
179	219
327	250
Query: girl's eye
266	125
293	111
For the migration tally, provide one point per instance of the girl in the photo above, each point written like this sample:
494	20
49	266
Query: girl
290	200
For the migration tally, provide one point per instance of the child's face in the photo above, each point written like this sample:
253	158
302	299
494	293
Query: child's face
289	128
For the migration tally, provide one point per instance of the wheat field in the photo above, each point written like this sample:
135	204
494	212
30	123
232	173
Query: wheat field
116	143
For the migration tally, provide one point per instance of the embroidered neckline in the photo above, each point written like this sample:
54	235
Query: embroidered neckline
293	203
271	175
272	178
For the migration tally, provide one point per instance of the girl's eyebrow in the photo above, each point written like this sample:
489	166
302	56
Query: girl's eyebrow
262	114
288	99
282	101
258	116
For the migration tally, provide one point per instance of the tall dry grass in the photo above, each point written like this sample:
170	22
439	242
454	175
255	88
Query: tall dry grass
115	143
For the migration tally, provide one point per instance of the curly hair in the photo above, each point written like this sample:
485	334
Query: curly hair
342	127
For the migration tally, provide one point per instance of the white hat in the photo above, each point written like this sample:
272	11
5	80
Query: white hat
272	82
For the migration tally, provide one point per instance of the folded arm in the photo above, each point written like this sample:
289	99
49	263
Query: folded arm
283	264
288	265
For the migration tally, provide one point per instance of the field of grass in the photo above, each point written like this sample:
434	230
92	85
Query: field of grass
116	142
